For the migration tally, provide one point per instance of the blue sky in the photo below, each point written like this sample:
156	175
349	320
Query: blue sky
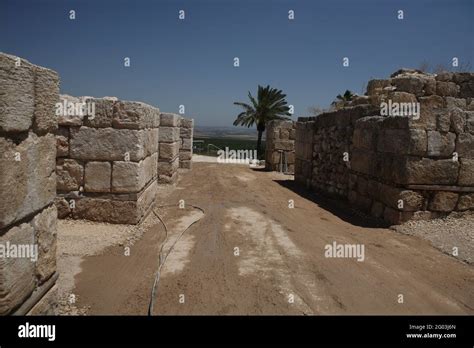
190	62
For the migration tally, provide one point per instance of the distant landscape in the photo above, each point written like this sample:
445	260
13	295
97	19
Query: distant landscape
208	140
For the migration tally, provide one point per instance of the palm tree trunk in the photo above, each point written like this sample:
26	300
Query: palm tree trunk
259	143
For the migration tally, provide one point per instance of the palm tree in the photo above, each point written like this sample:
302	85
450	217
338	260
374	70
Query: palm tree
270	105
342	100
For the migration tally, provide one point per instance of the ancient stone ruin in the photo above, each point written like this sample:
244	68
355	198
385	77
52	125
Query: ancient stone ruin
280	146
27	184
107	163
404	151
186	143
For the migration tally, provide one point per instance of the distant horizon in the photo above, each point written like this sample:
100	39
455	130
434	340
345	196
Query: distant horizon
190	62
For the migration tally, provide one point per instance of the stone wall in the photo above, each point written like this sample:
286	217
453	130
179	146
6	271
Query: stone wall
280	146
107	162
28	94
186	143
170	140
390	166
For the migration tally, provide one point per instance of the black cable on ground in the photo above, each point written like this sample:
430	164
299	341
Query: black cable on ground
162	259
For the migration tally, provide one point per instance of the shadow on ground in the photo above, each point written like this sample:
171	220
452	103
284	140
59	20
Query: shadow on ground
338	207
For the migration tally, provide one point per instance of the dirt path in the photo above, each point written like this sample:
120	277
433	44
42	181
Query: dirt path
252	254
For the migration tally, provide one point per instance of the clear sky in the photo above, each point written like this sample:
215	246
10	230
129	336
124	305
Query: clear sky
190	62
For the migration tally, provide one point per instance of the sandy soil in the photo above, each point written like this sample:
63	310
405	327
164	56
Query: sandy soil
252	254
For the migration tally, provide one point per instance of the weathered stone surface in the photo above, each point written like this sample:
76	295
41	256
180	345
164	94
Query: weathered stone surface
168	168
376	86
29	168
17	99
447	89
103	113
67	118
146	199
97	177
70	175
62	142
440	145
465	145
185	155
443	201
169	134
46	97
169	151
169	120
113	211
428	106
466	172
285	145
396	217
62	205
132	176
429	171
127	177
466	202
458	120
187	144
17	275
470	121
135	115
186	132
452	102
44	225
187	123
409	84
107	144
401	199
403	141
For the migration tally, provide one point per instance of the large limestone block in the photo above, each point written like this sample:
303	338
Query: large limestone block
169	134
447	89
430	172
403	141
146	199
45	226
185	164
27	176
46	97
186	123
428	108
440	144
397	198
97	177
103	113
135	115
67	115
465	145
466	172
168	168
409	84
443	201
105	210
466	202
169	120
186	133
17	275
376	86
17	96
70	175
187	144
185	155
127	177
107	144
150	140
168	151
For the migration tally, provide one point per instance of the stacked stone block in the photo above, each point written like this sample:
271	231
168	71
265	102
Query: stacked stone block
186	143
280	146
168	162
399	167
107	162
28	94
